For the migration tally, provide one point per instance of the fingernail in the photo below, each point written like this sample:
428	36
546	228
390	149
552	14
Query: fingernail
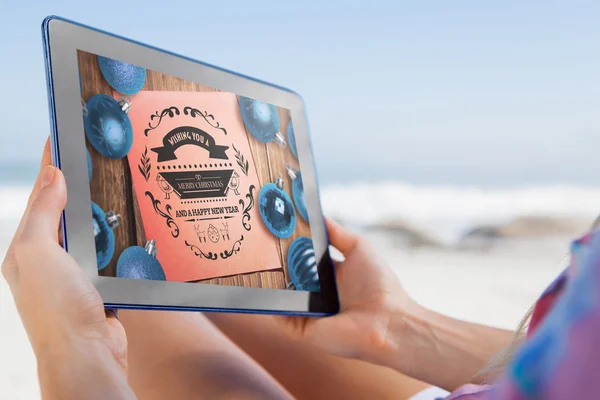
48	174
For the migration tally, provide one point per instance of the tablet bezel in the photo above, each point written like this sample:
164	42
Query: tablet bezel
62	39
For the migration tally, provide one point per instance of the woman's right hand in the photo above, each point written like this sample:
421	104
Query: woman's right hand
380	323
372	304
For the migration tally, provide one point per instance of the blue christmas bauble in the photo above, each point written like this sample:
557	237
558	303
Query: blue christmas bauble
302	265
292	139
124	78
104	237
108	127
89	164
298	193
277	211
136	263
261	119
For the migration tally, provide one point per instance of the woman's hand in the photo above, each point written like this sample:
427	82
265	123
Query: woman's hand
371	298
378	322
80	348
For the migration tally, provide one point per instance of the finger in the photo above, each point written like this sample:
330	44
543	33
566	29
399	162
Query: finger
45	212
9	269
46	154
342	239
46	160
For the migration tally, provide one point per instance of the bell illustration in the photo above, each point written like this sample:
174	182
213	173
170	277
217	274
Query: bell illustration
297	191
104	223
302	265
107	125
276	209
124	78
261	120
138	262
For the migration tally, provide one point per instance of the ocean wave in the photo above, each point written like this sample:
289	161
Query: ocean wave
451	211
446	211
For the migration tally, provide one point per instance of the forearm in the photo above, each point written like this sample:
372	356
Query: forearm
439	350
81	370
183	355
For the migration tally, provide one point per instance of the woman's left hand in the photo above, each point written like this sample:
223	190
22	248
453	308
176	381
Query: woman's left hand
81	349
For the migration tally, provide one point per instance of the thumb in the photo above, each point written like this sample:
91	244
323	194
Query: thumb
45	212
342	239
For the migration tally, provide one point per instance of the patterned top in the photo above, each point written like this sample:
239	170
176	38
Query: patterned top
561	357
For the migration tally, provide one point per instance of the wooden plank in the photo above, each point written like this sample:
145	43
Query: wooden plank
108	170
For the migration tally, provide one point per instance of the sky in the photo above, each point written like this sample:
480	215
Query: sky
495	93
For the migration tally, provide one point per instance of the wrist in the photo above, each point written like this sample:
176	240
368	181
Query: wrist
414	342
437	349
406	338
72	366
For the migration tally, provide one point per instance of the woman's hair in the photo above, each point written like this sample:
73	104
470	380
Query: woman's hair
498	363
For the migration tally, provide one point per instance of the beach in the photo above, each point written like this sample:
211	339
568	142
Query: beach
494	285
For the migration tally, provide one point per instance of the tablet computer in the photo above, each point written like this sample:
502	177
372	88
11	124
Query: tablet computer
190	187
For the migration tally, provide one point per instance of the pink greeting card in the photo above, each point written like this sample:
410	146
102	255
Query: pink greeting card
196	185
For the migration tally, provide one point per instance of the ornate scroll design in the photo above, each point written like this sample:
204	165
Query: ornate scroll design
198	251
237	245
167	112
209	118
246	213
165	214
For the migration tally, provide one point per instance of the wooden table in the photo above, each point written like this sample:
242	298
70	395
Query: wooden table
111	185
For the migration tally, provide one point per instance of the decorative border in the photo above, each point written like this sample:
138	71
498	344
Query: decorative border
198	251
170	112
237	245
246	214
235	248
167	215
187	110
192	112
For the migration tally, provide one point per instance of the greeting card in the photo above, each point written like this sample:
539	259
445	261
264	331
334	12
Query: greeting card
196	184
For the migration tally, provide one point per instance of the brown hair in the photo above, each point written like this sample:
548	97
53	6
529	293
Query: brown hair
494	368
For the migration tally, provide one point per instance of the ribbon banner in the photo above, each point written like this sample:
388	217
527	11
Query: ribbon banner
184	135
196	184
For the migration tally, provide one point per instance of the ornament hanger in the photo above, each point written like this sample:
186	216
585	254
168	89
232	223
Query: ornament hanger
297	190
104	223
138	262
261	120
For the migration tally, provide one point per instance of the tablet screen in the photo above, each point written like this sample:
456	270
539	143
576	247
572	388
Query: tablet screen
192	184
